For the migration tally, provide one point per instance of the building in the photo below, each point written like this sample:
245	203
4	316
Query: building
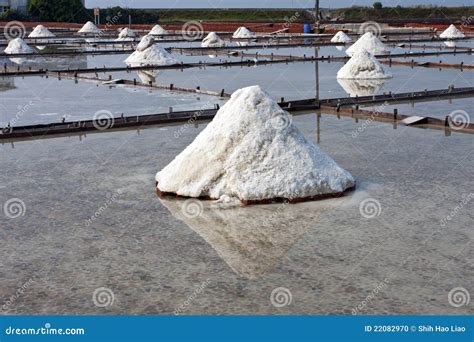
17	5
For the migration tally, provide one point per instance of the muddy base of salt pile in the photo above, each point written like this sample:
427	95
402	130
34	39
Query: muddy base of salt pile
164	194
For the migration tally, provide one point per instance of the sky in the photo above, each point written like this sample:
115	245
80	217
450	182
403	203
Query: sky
265	3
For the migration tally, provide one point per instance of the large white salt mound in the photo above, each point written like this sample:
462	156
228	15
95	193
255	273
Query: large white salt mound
145	42
41	31
153	55
370	43
157	29
18	45
362	65
126	34
452	32
212	40
89	27
341	37
243	32
252	151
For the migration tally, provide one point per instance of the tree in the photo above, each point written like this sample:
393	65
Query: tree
378	5
58	10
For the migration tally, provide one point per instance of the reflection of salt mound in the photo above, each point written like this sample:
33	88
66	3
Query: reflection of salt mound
251	240
243	32
370	43
147	76
450	43
18	45
362	65
41	31
152	55
252	152
157	29
89	27
341	37
212	40
362	87
126	34
452	32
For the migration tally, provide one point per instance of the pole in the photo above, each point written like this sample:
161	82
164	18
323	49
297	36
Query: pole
316	8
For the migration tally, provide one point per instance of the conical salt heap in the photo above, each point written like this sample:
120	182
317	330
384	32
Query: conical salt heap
126	34
452	32
341	37
89	27
18	45
243	32
157	29
370	43
251	151
149	53
212	40
363	66
41	31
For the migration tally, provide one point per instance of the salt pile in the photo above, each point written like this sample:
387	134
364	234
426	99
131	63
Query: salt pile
41	31
148	53
452	32
370	43
18	45
251	151
341	37
157	29
89	27
212	40
126	34
362	65
243	32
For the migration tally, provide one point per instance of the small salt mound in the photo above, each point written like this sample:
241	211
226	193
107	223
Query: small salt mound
243	32
341	37
153	55
370	43
126	34
452	32
252	151
89	27
41	31
362	65
18	45
212	40
145	43
157	29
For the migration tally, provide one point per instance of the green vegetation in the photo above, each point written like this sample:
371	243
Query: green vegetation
393	13
58	10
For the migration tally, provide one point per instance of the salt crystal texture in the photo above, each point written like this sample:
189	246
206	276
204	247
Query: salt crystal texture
18	45
126	34
243	32
89	27
452	32
370	43
362	65
252	151
41	31
151	55
145	42
212	40
341	37
157	29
